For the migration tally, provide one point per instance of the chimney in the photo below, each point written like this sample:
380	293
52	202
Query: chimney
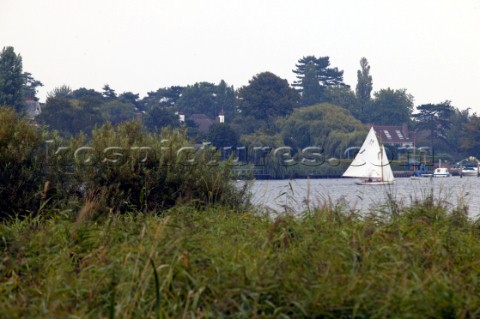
181	117
221	117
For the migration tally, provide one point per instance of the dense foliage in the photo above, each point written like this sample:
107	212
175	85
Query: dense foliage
21	169
327	126
314	76
118	168
267	96
419	262
259	108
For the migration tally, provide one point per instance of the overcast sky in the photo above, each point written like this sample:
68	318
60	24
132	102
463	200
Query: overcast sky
431	48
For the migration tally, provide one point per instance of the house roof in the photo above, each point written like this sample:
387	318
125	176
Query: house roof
393	134
203	121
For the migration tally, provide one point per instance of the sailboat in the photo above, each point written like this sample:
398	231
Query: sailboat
371	163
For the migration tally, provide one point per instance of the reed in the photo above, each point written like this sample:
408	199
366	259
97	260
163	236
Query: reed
423	261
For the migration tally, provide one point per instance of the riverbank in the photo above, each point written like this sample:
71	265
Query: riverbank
417	261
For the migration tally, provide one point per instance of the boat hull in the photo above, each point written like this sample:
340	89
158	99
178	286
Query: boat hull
469	174
374	182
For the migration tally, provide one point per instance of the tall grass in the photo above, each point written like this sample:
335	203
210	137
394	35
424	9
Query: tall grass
423	262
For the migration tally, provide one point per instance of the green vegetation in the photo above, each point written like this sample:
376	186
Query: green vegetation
120	222
21	166
118	168
416	262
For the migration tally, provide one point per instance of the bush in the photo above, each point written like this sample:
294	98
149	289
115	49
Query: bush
21	171
124	168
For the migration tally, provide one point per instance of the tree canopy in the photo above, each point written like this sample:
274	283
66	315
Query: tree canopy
470	139
12	79
266	97
207	98
327	126
390	107
364	86
314	76
158	117
222	135
434	118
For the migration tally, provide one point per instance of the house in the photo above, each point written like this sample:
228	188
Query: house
397	136
32	109
202	121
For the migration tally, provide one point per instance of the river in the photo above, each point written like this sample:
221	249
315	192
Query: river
299	194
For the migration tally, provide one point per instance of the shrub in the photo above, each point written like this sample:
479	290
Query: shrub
124	167
21	175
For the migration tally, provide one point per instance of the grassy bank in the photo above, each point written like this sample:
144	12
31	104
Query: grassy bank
421	262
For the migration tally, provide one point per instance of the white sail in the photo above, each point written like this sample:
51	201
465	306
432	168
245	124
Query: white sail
371	161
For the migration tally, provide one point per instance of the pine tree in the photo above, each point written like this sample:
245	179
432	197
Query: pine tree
314	76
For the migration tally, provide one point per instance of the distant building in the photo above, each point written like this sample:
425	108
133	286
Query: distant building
201	120
397	136
181	117
32	109
221	117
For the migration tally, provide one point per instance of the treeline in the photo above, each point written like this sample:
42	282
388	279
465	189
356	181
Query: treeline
266	111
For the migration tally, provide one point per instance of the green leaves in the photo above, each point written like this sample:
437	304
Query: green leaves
314	76
267	96
11	79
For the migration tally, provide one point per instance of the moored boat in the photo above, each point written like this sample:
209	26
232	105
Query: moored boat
441	172
469	171
371	163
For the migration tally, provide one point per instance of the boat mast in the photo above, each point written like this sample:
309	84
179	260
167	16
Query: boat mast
381	152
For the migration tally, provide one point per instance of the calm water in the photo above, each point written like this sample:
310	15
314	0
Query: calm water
281	195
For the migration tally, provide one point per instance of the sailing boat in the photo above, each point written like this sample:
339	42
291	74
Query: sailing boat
371	163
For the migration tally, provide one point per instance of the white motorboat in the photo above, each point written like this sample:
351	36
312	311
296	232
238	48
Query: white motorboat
469	171
441	172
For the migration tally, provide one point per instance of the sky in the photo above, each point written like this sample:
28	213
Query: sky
431	48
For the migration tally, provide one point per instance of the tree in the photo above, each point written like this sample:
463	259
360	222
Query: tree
58	115
166	97
222	135
364	85
434	118
311	90
470	140
108	92
130	97
327	126
12	79
70	116
455	134
30	86
207	98
158	117
116	111
83	93
198	99
390	107
314	76
343	96
266	97
226	100
63	91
